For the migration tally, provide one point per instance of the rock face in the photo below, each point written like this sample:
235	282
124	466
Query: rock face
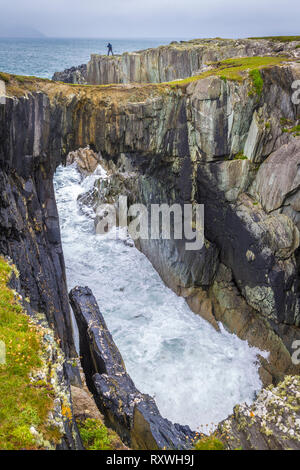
57	373
166	63
200	142
72	75
206	142
277	183
134	415
271	423
86	160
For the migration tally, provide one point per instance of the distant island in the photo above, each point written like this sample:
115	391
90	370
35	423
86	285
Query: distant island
19	31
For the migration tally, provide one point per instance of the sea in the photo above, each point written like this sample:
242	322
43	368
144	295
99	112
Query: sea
43	57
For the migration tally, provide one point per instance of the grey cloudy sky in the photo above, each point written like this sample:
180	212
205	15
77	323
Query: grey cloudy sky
154	18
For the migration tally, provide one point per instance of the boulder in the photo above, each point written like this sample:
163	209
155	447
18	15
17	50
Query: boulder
73	75
132	414
86	160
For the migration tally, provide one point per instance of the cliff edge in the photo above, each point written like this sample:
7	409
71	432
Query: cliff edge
177	60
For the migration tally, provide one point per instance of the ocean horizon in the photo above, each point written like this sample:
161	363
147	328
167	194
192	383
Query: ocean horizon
42	57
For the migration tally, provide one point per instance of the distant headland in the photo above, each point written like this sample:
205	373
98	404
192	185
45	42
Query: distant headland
18	31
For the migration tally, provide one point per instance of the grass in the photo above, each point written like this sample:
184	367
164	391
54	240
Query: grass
236	70
209	443
4	77
279	38
240	156
285	121
294	130
95	435
257	82
22	403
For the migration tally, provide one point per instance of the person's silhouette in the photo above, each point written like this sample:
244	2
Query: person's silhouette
110	49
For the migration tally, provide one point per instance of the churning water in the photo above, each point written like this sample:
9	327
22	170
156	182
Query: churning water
196	374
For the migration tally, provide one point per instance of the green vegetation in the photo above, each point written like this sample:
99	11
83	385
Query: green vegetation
236	70
294	130
4	77
95	436
257	82
280	38
240	156
209	443
22	403
285	121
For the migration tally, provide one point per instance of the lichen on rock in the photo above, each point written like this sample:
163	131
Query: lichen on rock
271	423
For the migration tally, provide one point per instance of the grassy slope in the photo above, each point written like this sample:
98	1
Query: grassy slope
279	38
22	403
234	69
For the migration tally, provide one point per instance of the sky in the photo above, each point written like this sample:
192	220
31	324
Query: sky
152	18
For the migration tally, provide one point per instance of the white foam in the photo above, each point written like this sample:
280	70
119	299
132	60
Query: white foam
196	374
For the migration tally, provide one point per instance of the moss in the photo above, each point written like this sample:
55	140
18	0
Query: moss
284	121
279	38
209	443
257	82
95	436
4	77
240	156
235	70
295	131
23	404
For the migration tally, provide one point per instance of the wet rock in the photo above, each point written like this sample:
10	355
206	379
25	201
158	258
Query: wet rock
83	404
132	414
237	316
73	75
30	235
86	160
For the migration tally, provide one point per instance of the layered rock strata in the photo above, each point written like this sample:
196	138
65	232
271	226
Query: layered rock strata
200	142
209	141
134	415
176	60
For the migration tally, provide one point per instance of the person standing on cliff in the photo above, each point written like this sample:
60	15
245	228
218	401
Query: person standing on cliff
110	49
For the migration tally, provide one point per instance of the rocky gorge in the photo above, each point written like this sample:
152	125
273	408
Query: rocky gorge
226	138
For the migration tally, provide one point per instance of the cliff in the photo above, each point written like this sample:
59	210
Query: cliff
222	138
271	423
133	414
35	400
177	60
